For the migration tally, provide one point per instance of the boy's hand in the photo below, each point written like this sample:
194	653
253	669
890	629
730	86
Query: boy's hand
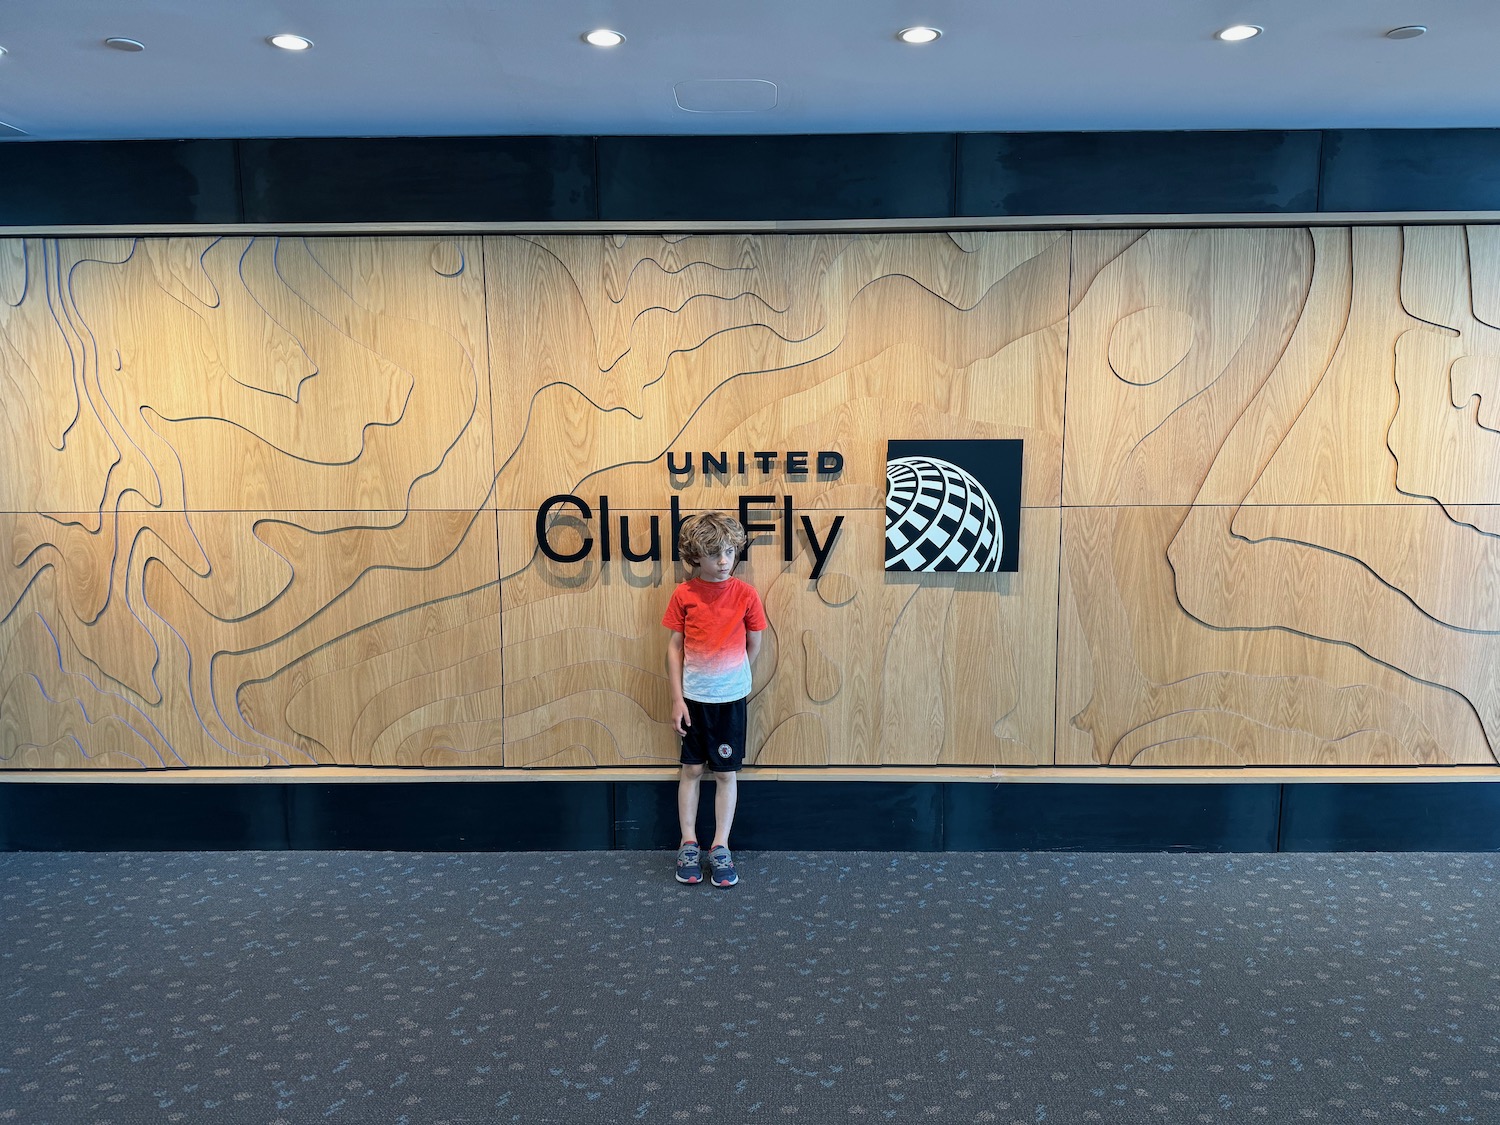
680	720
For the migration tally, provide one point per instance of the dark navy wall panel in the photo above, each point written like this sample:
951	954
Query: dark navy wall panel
1411	170
97	182
175	816
1137	173
433	179
751	178
1103	817
791	816
863	176
451	816
1423	817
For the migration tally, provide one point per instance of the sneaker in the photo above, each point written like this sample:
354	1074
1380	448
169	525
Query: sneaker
689	869
723	867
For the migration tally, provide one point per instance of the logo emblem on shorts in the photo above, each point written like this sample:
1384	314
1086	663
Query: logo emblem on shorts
725	750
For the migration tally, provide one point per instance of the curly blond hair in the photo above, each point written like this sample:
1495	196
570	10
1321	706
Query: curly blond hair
706	534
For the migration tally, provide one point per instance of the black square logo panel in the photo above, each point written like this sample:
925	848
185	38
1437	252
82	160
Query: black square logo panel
953	506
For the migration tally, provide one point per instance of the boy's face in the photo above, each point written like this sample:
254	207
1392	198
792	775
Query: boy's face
717	566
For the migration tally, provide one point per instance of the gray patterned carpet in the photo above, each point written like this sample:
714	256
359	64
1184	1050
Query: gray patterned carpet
294	987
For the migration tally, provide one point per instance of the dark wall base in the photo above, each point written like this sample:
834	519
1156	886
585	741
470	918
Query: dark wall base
776	816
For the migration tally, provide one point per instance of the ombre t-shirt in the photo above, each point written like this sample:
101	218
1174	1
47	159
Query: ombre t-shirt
713	618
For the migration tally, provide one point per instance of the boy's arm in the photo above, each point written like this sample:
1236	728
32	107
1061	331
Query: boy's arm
752	643
680	720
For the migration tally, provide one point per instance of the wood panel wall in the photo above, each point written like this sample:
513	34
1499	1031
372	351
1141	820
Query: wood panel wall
273	501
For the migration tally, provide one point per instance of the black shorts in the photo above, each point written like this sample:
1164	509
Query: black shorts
715	736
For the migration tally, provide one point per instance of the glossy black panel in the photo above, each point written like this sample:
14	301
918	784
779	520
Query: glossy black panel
1037	816
1137	173
1392	817
1411	170
434	179
871	176
791	815
88	182
451	816
177	816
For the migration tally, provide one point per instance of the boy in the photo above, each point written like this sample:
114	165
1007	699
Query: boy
716	622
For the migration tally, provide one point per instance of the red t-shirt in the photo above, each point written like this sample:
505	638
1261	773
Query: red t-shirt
713	618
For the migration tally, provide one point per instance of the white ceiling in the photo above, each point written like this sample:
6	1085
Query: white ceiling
428	67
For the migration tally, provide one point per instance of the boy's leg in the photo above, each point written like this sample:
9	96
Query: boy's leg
725	797
687	802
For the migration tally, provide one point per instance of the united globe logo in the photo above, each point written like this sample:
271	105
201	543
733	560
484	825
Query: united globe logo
952	506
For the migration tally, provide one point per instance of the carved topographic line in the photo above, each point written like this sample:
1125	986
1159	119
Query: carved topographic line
70	305
125	699
25	274
771	734
73	738
639	262
26	364
1104	265
1150	382
191	661
1401	297
1270	369
1210	739
531	405
1475	397
358	578
717	332
885	650
330	642
531	410
396	720
1158	720
540	763
1338	642
395	316
1396	484
674	311
582	720
250	291
364	439
1469	261
1368	569
1333	356
56	296
82	710
776	637
364	429
213	659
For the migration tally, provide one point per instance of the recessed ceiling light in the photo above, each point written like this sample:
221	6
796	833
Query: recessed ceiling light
1238	32
603	37
918	34
1410	31
289	42
120	43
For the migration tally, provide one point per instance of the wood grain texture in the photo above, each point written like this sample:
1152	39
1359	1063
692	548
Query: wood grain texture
247	374
608	353
874	669
1173	334
214	639
1197	637
271	501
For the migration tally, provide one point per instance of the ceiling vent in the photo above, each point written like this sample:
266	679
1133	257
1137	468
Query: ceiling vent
725	95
